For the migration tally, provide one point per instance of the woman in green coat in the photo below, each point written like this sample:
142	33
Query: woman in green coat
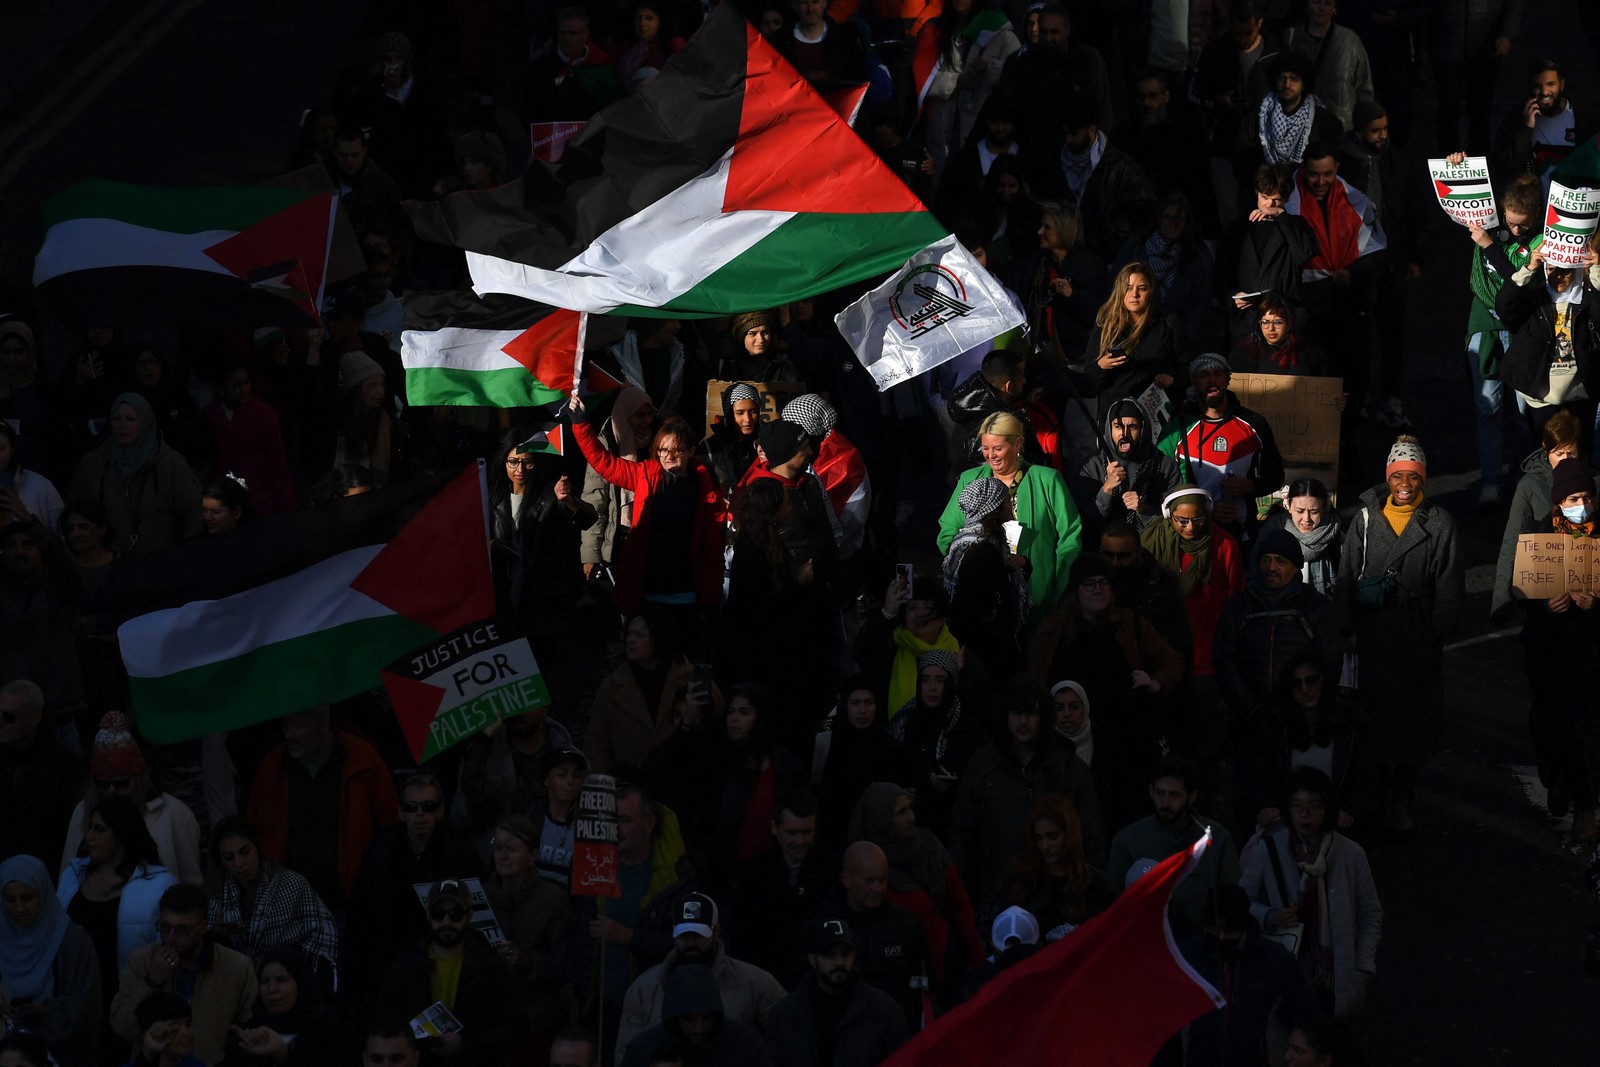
1040	502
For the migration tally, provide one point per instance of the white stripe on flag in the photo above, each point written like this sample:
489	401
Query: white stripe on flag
648	259
87	244
210	631
457	348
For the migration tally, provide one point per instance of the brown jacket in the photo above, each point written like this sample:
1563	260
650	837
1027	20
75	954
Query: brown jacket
621	728
1146	649
224	996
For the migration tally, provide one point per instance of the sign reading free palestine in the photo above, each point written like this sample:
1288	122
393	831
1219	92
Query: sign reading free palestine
454	686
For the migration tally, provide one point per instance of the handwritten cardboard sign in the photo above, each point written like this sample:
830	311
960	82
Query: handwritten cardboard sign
773	396
1550	564
1304	415
594	839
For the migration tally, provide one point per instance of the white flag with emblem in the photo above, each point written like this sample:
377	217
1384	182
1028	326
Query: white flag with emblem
940	304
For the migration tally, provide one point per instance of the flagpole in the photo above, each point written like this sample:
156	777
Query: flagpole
600	1035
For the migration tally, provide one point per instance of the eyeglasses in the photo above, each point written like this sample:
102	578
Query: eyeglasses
447	915
176	929
520	464
1094	584
1310	681
411	807
1272	322
1198	520
672	452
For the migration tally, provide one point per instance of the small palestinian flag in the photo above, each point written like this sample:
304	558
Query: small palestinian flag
500	351
1464	189
134	255
551	442
309	608
725	184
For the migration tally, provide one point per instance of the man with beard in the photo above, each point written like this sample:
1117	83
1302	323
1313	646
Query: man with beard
1543	132
1128	485
1055	74
747	992
1145	586
891	953
695	1029
503	768
1112	194
1288	120
1228	449
456	967
1175	826
833	1017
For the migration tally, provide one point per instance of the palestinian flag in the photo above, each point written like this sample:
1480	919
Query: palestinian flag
725	184
499	352
551	442
320	602
1464	189
925	61
134	255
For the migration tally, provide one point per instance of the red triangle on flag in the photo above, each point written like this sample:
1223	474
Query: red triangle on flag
847	101
416	704
435	571
549	349
795	154
1551	218
1441	188
299	233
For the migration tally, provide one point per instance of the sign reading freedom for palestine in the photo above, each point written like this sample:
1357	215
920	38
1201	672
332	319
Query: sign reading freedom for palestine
451	688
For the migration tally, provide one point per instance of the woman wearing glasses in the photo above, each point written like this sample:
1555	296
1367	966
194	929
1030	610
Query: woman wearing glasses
1274	345
537	515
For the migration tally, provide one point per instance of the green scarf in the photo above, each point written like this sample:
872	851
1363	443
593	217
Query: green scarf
1161	540
909	648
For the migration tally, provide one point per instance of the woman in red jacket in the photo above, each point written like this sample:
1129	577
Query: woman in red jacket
674	555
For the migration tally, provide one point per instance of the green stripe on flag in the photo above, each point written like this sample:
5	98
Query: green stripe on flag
274	680
171	210
785	265
451	387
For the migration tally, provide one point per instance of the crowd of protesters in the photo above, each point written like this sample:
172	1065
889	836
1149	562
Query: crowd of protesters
899	687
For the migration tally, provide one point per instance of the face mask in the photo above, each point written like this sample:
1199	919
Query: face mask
1578	513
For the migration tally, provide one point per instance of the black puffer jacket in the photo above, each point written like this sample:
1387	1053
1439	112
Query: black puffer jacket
1527	310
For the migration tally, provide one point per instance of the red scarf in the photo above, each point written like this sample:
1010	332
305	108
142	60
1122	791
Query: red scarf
1337	229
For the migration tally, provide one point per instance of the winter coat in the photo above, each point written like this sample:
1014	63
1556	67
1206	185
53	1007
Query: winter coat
974	400
537	917
1151	473
1064	322
1272	253
1530	513
1265	757
1046	83
1142	647
644	479
157	509
891	951
1051	531
996	794
613	509
1401	647
1402	194
72	1001
871	1026
1261	982
1161	350
490	1002
1343	76
748	995
1355	914
1259	632
138	907
536	562
1149	838
250	444
1116	199
172	827
767	904
695	991
1527	311
1152	591
224	995
622	729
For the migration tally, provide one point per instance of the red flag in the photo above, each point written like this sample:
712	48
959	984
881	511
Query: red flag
925	62
847	101
1110	993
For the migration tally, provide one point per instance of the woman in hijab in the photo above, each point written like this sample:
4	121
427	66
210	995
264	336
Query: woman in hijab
938	737
150	496
922	879
987	583
1206	559
48	965
1401	590
290	1024
625	433
1117	785
1309	514
731	448
853	749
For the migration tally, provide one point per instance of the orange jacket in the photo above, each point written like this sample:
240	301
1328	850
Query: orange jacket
367	804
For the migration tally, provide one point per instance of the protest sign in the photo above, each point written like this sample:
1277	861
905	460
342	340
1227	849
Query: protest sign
773	396
1464	191
1550	564
1569	225
940	304
549	139
455	685
594	839
435	1020
1304	415
1157	410
482	918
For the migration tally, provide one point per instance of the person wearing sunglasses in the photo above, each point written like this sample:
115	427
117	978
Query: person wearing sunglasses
261	905
454	965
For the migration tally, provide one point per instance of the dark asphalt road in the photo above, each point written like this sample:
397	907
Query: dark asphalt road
1485	918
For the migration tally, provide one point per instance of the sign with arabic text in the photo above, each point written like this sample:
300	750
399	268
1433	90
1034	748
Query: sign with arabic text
594	839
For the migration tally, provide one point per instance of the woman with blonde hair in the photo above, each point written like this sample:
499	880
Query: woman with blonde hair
1133	345
1037	498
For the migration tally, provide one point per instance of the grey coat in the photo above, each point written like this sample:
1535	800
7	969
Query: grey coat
1355	913
1530	512
1401	646
1343	75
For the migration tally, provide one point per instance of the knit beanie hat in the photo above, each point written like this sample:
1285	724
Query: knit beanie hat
743	324
1280	542
355	368
1570	477
1406	455
116	753
780	441
811	413
1088	565
1208	361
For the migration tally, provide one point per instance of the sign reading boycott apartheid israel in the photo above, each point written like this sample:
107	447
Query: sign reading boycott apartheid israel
1464	191
1550	564
1304	415
1569	225
453	687
594	839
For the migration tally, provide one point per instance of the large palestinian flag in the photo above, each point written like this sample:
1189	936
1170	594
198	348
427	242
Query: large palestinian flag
726	184
134	255
322	601
500	351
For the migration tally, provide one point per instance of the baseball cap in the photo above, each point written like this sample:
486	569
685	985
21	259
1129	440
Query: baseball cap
822	933
695	914
1012	926
449	889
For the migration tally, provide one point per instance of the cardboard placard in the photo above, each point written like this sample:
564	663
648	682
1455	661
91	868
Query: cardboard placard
773	396
1304	415
482	918
1551	564
594	839
1465	191
1569	225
